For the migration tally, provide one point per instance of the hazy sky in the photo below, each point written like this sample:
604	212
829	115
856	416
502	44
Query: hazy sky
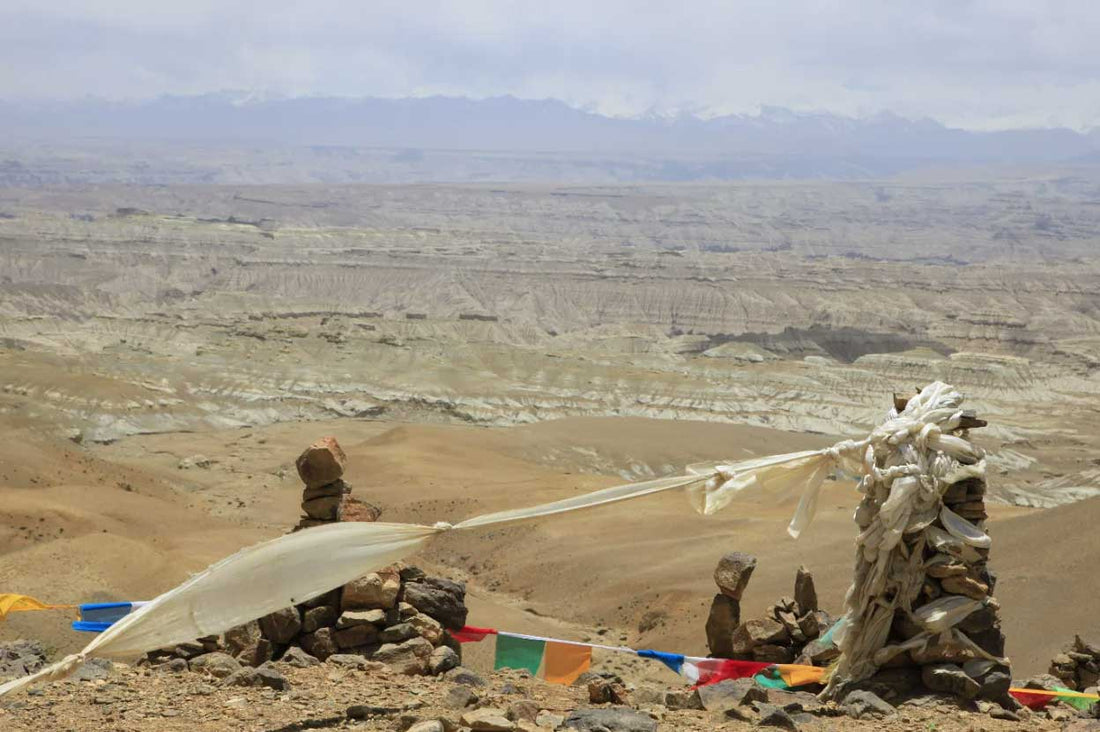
973	63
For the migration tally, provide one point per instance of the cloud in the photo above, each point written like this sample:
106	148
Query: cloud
977	63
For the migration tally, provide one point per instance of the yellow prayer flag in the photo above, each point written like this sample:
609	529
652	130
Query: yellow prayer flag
10	603
564	662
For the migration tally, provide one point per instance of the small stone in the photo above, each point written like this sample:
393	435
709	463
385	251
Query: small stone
466	677
244	676
321	463
459	697
865	705
683	699
771	653
725	616
757	632
410	657
335	488
733	573
730	693
426	627
995	686
616	719
175	665
377	590
298	658
217	664
772	716
950	679
431	725
282	625
443	659
356	636
522	710
606	691
805	594
324	508
999	712
398	633
318	617
350	618
548	719
352	509
320	644
487	719
272	678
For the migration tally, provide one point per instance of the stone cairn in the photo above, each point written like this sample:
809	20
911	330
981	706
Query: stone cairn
790	632
1078	666
397	616
955	663
327	498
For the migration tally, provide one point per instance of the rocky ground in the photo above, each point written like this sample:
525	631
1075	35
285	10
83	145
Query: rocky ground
336	696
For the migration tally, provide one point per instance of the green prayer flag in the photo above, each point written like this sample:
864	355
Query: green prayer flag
515	652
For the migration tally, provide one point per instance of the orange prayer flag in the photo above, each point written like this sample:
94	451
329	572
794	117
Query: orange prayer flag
796	675
564	662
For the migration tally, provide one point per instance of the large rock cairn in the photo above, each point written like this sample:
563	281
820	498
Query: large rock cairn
899	657
790	631
397	616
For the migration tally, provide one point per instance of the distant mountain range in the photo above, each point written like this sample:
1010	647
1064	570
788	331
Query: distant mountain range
776	143
507	123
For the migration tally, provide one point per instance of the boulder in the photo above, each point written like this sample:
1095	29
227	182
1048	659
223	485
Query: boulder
377	590
441	599
522	710
617	719
733	573
409	658
217	664
725	616
321	463
805	594
282	625
820	653
950	679
771	653
459	697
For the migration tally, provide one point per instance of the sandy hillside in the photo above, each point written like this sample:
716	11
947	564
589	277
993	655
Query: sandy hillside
124	521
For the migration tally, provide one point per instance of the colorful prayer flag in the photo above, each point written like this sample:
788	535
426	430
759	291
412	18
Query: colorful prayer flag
564	662
516	652
10	603
1039	698
704	671
470	634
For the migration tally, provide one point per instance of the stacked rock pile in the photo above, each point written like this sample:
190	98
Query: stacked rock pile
327	498
790	632
397	616
1078	666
